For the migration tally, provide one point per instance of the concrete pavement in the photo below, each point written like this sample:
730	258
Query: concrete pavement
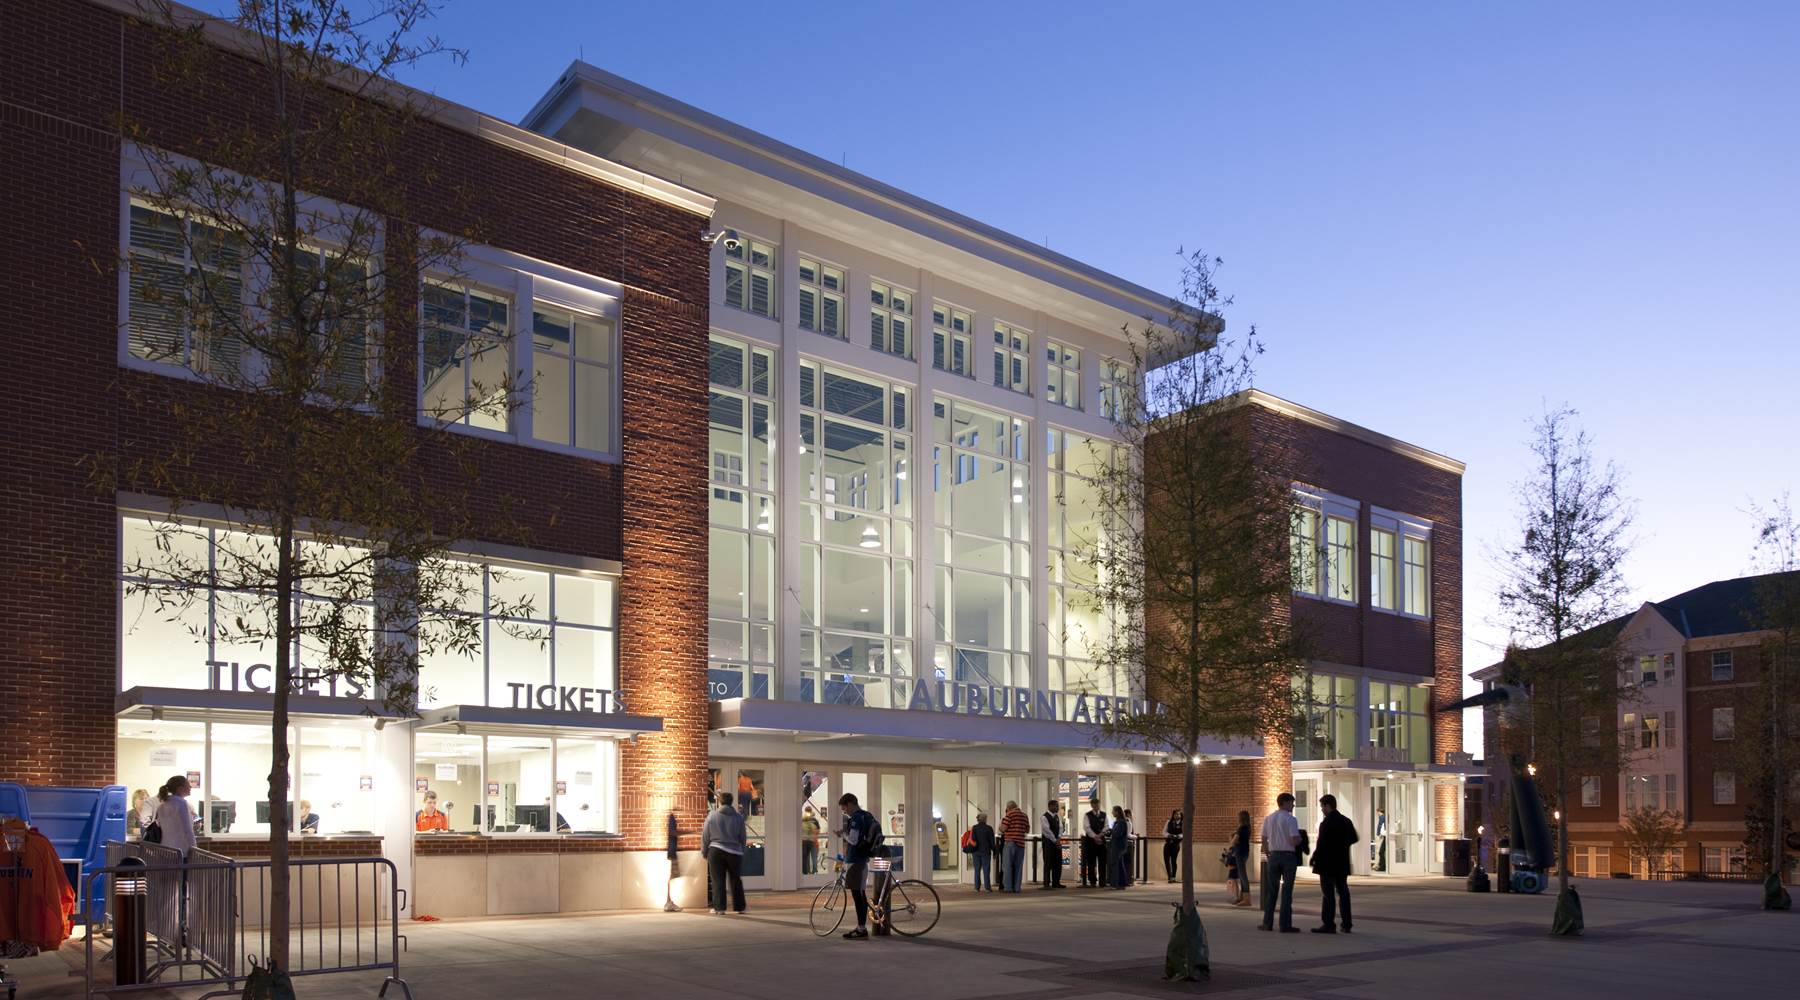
1414	938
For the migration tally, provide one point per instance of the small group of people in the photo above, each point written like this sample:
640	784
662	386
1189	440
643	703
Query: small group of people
168	819
1105	846
1283	845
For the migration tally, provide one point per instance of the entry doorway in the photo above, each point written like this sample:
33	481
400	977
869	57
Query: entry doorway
882	792
1397	826
747	784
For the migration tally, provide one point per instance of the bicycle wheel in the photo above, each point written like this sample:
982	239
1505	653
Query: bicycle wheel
828	908
913	907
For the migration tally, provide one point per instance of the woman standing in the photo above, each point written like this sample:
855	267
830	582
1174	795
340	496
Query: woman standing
174	820
1118	850
1172	843
1240	861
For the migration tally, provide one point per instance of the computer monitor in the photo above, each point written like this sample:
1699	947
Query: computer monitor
262	813
475	813
535	817
223	815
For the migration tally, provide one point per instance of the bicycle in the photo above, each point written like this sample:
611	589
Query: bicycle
910	906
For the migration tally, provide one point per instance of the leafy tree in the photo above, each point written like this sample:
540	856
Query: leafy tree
1650	834
1769	715
1192	557
271	258
1561	588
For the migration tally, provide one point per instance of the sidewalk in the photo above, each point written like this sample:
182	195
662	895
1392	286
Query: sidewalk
1414	938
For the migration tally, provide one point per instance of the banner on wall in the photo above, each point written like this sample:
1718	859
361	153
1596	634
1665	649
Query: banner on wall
162	758
446	772
193	778
421	784
366	782
493	789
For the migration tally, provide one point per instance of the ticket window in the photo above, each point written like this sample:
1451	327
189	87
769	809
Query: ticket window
334	787
449	766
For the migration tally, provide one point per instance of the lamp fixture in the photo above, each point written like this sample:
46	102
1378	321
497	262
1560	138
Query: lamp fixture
871	539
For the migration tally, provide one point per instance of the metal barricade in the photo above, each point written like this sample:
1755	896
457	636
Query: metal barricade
207	920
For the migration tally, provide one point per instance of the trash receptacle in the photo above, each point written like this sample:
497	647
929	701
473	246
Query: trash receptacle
1458	858
130	898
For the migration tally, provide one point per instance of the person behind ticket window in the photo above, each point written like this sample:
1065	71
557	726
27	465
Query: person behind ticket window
429	819
309	820
143	811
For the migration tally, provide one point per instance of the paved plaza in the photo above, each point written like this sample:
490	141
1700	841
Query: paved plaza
1414	939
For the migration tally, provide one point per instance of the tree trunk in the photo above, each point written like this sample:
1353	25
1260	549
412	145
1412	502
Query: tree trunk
1187	957
278	757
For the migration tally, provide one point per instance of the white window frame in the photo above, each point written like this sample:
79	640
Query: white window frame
747	247
1328	507
1012	358
1113	377
822	291
947	336
1405	529
528	281
137	176
891	304
1384	569
1062	375
1727	714
1730	786
1590	792
1729	663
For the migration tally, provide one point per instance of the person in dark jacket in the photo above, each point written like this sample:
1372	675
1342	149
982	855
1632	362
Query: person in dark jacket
1118	850
983	856
1331	860
1240	860
723	841
1172	843
1093	845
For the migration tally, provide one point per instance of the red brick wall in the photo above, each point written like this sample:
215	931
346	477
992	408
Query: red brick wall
67	71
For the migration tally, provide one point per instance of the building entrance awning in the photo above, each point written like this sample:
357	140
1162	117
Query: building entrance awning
484	720
811	721
207	705
1379	768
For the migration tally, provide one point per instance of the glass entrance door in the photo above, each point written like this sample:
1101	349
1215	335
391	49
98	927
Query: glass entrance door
947	824
1397	840
745	782
818	801
882	793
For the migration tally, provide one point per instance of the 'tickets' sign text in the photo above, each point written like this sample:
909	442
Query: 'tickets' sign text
557	698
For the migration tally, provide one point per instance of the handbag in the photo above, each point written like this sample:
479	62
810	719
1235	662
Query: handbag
152	834
968	841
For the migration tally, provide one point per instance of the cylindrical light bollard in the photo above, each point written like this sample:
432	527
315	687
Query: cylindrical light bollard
130	922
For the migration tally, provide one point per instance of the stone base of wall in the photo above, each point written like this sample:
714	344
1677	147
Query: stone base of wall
511	882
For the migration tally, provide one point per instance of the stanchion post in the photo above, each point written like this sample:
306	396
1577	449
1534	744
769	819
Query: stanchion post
130	924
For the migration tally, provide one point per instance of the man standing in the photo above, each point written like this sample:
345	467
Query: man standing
1331	860
1093	841
722	842
1281	848
1013	828
861	833
1050	835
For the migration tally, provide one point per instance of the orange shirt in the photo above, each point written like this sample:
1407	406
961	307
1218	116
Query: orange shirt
433	820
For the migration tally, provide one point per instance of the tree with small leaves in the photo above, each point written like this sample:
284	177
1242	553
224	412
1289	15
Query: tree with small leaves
315	503
1768	714
1190	554
1562	588
1650	834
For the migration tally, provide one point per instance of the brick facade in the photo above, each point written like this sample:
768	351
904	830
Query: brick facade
68	72
1349	465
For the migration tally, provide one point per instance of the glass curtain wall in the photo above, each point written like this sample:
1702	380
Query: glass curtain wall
856	572
742	562
1078	629
1324	717
981	505
1399	719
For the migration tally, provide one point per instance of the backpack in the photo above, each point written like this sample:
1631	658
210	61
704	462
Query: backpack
878	847
968	841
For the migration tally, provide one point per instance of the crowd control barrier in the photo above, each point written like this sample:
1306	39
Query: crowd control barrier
204	922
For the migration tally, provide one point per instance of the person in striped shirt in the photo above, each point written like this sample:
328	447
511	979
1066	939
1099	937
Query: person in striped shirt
1013	827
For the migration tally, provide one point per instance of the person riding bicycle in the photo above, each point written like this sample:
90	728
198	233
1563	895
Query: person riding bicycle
862	834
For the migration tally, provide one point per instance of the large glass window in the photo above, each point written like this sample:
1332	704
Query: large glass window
1012	358
514	784
890	319
1078	630
821	298
750	277
981	504
1325	714
1417	575
466	363
572	397
1322	546
856	583
952	349
184	292
1062	375
1114	380
539	630
1399	718
742	565
1383	581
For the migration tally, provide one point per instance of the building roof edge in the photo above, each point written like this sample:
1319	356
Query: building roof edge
1319	418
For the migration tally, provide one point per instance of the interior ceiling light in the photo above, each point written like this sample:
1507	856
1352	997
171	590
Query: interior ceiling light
871	539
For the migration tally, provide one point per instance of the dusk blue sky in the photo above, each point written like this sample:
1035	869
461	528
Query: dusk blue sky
1440	217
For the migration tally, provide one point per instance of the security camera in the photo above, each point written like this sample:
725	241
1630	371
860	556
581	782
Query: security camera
727	236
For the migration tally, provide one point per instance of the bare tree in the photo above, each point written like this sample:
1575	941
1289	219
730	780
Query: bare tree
1650	834
1561	587
1769	758
1192	558
272	262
